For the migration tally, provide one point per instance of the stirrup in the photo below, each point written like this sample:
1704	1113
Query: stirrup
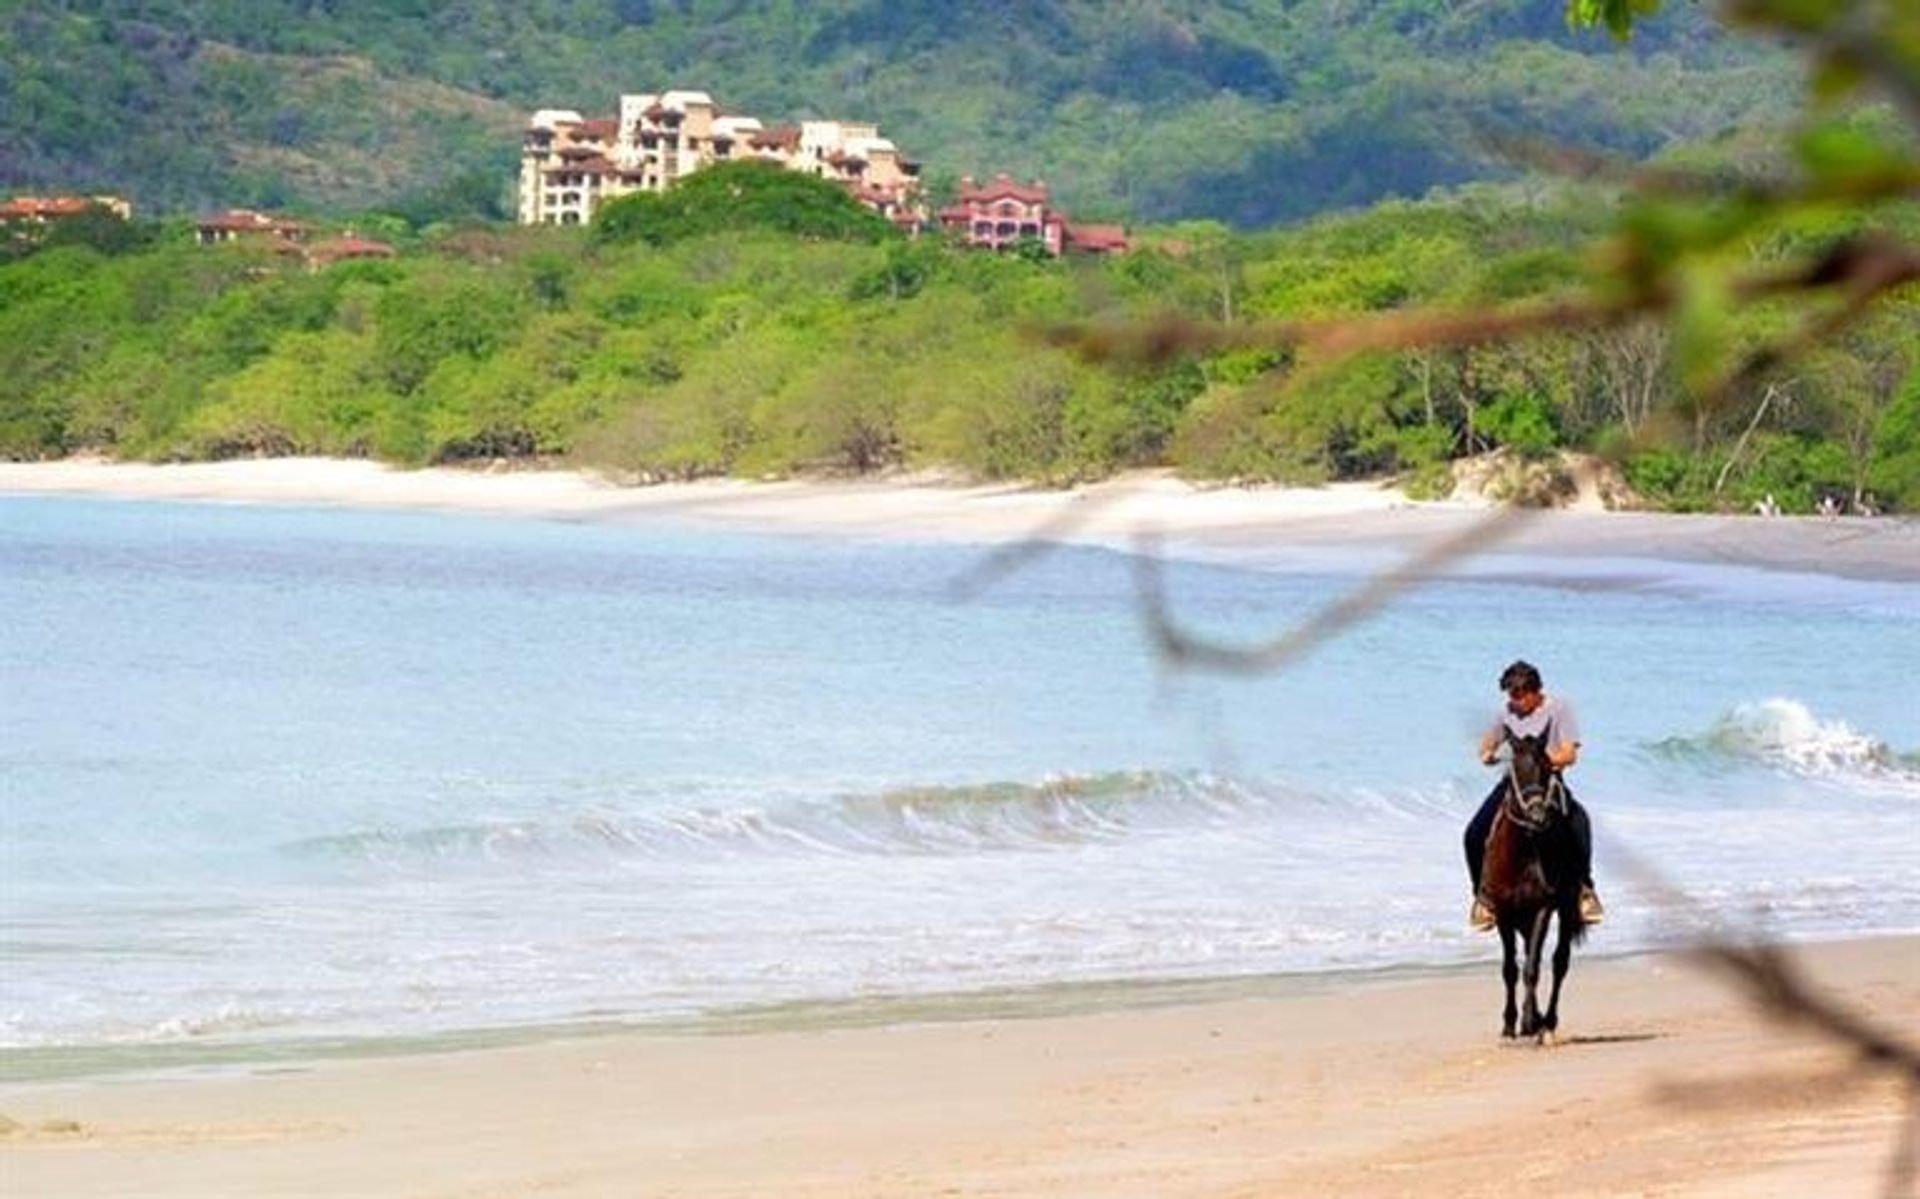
1480	918
1591	910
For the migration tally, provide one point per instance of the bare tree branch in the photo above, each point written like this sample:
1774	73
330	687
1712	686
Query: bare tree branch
1183	648
1004	560
1774	983
1891	182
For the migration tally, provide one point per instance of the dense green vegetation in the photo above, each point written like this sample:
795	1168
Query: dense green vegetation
737	198
1249	112
677	340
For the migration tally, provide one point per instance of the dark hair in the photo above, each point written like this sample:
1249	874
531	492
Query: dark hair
1520	676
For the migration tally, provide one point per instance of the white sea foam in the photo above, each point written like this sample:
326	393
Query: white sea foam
1788	735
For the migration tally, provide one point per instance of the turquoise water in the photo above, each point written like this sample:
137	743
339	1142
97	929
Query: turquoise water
281	774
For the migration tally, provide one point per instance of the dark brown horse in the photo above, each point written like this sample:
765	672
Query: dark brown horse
1530	876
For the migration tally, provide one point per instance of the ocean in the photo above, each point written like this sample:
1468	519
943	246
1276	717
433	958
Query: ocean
274	779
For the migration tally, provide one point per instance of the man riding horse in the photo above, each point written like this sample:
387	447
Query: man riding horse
1531	712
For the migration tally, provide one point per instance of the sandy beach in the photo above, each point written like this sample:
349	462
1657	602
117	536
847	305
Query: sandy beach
1348	516
1664	1084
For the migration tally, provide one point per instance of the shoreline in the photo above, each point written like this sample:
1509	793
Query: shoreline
1665	1082
1344	518
84	1064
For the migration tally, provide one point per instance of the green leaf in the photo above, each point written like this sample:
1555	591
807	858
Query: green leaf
1617	15
1703	330
1835	77
1836	152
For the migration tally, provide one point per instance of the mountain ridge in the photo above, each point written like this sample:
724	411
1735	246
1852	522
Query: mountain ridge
1253	112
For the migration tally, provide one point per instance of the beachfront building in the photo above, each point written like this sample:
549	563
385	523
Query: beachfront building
43	210
1002	214
287	238
255	228
570	165
854	155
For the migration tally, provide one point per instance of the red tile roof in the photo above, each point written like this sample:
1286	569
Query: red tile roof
601	129
1097	239
1003	187
349	247
42	207
781	137
597	164
246	220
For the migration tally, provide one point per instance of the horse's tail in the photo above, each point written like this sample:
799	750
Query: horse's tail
1571	920
1566	905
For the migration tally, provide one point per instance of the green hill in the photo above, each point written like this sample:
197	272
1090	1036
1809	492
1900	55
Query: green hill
1251	112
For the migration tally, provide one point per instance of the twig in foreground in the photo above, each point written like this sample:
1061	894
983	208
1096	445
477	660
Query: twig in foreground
1183	648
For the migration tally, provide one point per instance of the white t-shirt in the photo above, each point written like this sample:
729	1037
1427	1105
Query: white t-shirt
1554	717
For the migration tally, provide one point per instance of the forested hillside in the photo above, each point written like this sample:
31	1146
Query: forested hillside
757	321
1248	112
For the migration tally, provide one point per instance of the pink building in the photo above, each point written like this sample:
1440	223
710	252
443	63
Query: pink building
1002	214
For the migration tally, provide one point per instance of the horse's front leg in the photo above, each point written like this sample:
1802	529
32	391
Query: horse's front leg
1562	958
1536	941
1510	974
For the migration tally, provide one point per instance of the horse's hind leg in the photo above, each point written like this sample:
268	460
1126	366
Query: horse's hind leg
1510	974
1536	941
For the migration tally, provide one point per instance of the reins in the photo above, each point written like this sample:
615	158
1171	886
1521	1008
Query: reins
1533	812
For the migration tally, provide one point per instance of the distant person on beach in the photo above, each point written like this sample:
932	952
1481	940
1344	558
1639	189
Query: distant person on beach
1531	712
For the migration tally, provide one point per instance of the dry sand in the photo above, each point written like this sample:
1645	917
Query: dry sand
1665	1085
1348	517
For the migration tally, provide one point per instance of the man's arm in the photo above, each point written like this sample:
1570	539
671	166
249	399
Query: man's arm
1566	726
1490	744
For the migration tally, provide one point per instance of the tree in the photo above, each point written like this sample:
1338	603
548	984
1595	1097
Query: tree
736	197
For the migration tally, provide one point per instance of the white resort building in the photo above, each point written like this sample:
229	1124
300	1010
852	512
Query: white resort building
570	164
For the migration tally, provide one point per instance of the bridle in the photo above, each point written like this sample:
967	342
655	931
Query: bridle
1534	811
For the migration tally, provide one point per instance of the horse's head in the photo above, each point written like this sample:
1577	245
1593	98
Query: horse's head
1532	772
1531	776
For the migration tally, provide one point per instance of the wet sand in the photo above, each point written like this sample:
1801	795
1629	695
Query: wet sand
1664	1084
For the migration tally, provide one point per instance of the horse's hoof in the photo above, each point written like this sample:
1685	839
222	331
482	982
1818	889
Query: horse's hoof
1548	1039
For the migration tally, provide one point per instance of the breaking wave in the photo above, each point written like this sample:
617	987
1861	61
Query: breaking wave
1057	812
1786	735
